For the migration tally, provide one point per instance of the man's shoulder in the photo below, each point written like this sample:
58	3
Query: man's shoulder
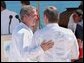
66	30
19	30
11	12
7	13
68	34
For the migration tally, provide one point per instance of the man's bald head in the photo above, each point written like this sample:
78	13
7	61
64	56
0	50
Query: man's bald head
52	14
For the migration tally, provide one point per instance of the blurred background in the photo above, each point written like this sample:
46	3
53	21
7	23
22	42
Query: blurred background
61	6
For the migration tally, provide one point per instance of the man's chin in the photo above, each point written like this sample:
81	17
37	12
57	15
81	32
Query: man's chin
33	25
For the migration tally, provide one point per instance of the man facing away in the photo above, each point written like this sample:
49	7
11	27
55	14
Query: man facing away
65	44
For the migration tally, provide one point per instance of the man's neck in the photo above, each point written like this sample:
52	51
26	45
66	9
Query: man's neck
28	25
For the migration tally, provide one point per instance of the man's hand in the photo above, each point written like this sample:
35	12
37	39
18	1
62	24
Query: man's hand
47	45
80	43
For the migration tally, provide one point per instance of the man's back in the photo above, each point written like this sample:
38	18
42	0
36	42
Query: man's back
64	40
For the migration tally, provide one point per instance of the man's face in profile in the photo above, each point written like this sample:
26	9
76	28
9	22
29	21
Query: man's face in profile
31	19
77	18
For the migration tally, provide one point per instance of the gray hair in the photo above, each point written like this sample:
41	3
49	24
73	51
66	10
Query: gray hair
27	10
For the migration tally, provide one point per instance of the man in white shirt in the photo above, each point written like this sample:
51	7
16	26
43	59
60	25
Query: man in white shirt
22	48
65	44
74	19
7	28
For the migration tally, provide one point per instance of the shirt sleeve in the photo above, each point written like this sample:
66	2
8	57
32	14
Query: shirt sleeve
75	49
34	50
16	48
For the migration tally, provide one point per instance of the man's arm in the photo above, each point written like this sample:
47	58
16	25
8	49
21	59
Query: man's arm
36	48
75	50
80	43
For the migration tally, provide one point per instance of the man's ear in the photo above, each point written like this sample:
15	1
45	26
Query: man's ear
24	17
45	19
44	16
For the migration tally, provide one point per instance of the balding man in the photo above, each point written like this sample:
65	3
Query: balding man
65	44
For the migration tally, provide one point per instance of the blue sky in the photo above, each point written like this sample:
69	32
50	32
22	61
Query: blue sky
61	5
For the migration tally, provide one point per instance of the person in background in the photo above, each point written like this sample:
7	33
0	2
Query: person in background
75	18
79	36
65	47
7	26
76	25
25	3
81	6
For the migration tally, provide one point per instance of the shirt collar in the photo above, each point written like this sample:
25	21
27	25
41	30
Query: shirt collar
24	25
52	24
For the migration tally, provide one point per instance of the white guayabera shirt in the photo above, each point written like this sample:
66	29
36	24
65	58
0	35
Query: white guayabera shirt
22	48
65	44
